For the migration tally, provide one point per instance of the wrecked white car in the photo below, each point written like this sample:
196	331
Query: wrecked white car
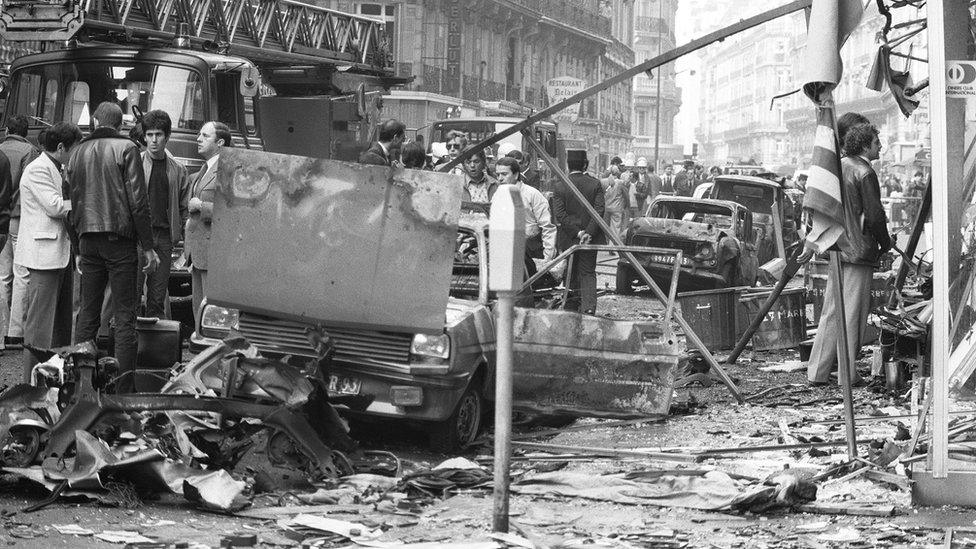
383	261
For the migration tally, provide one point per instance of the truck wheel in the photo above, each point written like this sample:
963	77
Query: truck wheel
460	430
625	279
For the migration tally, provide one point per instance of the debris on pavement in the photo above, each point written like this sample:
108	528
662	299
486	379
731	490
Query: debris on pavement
72	530
217	490
123	536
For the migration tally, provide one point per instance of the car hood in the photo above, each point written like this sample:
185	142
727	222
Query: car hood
330	242
676	228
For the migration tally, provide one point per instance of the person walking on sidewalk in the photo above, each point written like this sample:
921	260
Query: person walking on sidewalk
110	219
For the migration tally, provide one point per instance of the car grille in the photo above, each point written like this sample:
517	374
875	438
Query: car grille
284	336
688	248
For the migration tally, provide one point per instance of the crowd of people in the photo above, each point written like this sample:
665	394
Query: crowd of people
92	222
85	215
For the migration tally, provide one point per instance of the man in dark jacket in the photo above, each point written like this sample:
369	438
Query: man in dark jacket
169	194
866	239
110	217
387	148
577	226
13	278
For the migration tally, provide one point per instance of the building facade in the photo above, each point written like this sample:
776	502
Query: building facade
495	57
741	120
739	77
656	99
902	137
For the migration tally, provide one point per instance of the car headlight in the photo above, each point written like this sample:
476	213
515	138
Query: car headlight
436	346
704	252
216	318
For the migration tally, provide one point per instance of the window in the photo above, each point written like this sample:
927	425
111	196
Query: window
72	91
388	14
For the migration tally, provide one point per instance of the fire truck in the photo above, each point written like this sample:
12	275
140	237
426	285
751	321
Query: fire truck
283	75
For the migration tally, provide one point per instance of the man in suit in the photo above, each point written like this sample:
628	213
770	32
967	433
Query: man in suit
576	225
386	150
667	181
196	244
13	278
44	248
110	220
867	239
169	191
684	181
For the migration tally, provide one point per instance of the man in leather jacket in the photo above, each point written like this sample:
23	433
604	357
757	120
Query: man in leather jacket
866	239
110	216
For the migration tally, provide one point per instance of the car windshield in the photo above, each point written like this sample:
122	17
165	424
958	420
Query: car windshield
716	215
70	92
465	274
758	198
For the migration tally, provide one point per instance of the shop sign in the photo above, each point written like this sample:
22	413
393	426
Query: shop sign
560	89
961	78
452	81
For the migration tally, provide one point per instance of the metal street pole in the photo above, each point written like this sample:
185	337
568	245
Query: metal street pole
506	248
657	103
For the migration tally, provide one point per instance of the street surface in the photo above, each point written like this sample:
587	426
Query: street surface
709	419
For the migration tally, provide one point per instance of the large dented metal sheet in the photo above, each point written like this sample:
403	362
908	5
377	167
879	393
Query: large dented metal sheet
333	242
592	366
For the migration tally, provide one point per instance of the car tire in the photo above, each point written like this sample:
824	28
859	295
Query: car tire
461	429
625	279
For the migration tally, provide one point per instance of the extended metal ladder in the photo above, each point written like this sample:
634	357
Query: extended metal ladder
275	32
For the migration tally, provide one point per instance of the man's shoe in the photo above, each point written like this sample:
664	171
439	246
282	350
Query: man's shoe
13	342
859	382
817	383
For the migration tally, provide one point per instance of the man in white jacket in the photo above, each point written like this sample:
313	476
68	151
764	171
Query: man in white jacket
44	247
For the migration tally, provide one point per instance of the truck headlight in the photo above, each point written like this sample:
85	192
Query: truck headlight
217	320
436	346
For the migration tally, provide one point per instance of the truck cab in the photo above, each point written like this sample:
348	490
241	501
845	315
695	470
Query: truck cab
192	87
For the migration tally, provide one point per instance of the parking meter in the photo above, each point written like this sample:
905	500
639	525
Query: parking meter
506	240
506	263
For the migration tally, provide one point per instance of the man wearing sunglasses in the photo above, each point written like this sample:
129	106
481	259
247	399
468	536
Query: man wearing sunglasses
456	142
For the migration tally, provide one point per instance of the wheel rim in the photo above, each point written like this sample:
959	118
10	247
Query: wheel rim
468	418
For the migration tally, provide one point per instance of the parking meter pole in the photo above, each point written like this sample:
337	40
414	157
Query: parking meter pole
690	335
506	248
503	409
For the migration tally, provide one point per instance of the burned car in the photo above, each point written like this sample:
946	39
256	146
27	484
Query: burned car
774	217
386	264
716	238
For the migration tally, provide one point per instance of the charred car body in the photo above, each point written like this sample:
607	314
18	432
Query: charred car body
386	264
716	238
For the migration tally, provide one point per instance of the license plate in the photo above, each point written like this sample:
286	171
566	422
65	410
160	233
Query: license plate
668	259
342	385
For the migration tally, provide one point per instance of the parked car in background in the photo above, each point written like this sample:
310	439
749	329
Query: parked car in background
716	238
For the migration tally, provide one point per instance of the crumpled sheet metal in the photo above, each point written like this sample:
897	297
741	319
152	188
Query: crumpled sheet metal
332	242
18	402
148	468
566	362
